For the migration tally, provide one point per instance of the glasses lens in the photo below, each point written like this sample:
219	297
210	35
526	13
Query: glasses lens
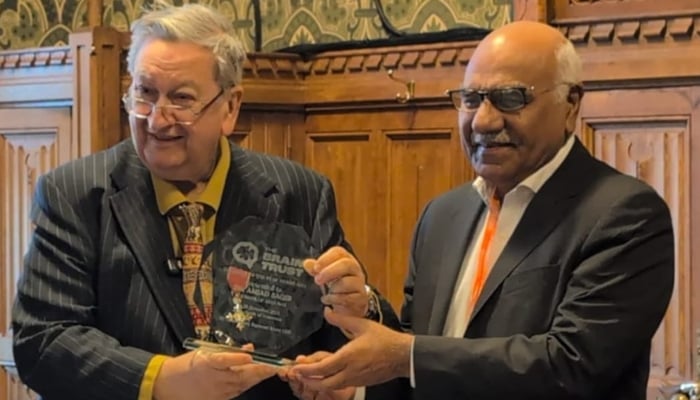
141	108
471	99
183	115
508	99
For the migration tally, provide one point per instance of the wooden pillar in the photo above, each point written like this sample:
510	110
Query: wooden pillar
97	55
531	10
95	9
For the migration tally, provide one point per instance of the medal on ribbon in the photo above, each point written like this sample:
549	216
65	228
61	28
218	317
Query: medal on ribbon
238	280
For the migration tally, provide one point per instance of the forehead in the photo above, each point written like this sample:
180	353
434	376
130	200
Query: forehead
494	66
162	60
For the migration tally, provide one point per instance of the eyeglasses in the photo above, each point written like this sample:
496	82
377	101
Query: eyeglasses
506	99
180	114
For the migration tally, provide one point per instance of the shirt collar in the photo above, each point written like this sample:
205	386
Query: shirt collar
168	196
536	180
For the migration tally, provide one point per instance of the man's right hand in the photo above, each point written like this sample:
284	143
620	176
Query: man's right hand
215	376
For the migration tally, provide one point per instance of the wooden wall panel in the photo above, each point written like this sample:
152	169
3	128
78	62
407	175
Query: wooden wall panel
271	132
646	134
337	113
348	159
385	166
32	141
633	42
419	165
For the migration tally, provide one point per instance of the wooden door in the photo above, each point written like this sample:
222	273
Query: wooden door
32	141
648	133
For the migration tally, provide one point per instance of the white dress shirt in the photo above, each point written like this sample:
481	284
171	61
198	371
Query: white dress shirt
513	207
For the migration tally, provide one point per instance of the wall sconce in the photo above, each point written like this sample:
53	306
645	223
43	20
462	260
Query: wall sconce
410	87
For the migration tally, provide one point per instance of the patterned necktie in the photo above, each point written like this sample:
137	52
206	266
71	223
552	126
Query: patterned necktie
482	266
196	272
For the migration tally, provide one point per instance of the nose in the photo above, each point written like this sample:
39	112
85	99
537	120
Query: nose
487	118
158	119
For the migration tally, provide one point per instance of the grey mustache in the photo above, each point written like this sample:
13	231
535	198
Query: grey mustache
484	139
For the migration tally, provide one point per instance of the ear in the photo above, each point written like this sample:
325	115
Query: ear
573	100
233	104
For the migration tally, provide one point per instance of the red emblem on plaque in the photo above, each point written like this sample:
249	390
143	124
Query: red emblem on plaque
238	280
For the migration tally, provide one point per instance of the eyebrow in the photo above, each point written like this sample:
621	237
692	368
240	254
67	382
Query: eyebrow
187	83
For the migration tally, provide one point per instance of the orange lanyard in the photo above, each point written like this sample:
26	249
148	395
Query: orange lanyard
481	267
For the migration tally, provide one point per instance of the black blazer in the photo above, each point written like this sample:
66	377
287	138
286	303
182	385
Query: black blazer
569	308
95	300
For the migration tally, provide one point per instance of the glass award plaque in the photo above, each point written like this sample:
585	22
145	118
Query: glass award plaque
262	294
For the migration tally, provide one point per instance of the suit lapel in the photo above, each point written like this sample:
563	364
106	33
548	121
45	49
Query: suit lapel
457	235
146	232
542	215
248	192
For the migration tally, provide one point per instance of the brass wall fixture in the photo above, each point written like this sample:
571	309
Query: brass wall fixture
410	87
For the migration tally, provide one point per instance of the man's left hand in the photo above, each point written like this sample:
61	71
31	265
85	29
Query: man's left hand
341	273
375	354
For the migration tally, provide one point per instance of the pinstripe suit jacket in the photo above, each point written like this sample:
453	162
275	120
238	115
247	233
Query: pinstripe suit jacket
95	301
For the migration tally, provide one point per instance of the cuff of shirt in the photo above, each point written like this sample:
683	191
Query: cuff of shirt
149	377
359	393
413	370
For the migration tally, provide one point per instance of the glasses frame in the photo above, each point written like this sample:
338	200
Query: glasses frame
127	99
528	93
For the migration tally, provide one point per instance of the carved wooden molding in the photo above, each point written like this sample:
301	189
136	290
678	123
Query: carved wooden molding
286	66
275	65
424	56
38	75
38	57
633	31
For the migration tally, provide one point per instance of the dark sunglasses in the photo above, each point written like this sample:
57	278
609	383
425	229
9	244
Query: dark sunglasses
506	99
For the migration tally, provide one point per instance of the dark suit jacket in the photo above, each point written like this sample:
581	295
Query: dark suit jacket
569	308
95	300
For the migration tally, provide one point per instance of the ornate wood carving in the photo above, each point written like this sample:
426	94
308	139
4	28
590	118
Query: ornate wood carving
633	43
350	76
35	75
656	151
40	57
646	134
32	142
647	30
597	10
412	56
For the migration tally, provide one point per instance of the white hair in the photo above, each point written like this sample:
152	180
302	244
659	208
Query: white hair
193	23
569	69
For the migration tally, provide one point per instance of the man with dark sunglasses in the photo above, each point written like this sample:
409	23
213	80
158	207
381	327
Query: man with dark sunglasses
544	278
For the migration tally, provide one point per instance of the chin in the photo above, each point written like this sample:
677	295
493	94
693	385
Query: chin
493	174
163	167
169	175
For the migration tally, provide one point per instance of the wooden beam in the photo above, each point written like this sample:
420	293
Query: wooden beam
94	11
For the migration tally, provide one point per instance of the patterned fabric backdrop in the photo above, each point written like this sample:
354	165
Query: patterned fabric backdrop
35	23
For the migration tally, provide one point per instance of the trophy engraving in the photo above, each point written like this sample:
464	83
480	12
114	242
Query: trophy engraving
263	295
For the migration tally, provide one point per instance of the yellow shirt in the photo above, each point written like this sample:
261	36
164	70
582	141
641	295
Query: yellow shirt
167	197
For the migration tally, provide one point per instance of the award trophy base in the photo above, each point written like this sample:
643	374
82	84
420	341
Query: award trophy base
258	357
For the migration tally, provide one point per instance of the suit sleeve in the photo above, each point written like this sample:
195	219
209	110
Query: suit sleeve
612	306
56	345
